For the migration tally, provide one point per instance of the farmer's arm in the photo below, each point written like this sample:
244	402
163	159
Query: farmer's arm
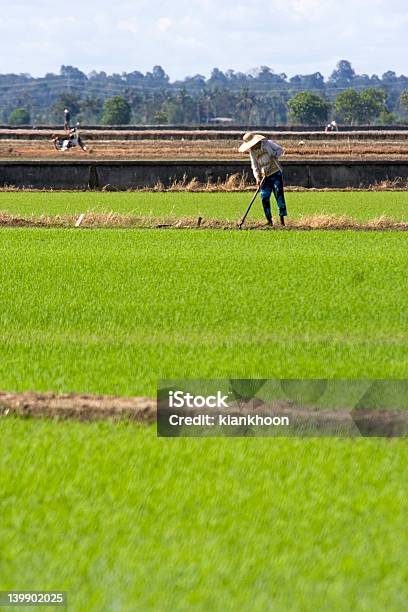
255	167
274	149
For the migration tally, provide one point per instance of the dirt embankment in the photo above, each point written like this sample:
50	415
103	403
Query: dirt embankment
117	221
77	407
182	149
307	420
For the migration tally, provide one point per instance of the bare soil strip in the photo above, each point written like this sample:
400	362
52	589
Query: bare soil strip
179	148
87	408
77	407
117	221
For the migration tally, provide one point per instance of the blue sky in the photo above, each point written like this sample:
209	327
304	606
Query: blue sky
292	36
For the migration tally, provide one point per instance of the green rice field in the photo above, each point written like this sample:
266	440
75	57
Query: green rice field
358	205
112	311
123	520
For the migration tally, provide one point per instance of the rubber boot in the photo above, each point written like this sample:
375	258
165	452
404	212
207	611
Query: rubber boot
267	210
282	220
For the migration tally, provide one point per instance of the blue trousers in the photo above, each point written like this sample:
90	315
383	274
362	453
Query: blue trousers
273	184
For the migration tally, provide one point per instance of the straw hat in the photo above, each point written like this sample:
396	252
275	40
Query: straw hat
250	140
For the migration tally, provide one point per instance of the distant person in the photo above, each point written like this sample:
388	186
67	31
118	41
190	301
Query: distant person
332	127
67	120
267	171
73	140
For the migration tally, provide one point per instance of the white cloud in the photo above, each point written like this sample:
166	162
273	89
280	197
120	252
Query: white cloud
294	36
51	22
128	25
304	7
164	24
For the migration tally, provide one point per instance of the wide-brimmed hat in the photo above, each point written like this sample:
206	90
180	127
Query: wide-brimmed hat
250	140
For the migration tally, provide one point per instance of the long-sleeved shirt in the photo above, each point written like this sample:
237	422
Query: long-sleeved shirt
264	161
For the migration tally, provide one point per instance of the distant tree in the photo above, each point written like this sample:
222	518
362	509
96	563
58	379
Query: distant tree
159	74
173	111
343	73
99	77
196	82
244	105
363	80
189	107
161	118
305	82
204	106
267	76
387	118
359	108
91	109
348	105
217	78
138	103
157	78
134	78
274	108
19	116
372	102
70	72
66	100
389	77
259	96
116	111
222	102
309	108
404	99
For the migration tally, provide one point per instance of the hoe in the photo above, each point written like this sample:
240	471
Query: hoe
241	223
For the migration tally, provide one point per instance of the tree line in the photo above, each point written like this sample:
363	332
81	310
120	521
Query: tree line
260	97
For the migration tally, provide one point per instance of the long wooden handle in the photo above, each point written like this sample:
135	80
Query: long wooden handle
252	201
249	207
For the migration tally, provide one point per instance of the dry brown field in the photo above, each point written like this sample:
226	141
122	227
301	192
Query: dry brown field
116	145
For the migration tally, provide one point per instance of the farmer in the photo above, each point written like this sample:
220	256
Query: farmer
332	127
67	119
264	155
73	140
